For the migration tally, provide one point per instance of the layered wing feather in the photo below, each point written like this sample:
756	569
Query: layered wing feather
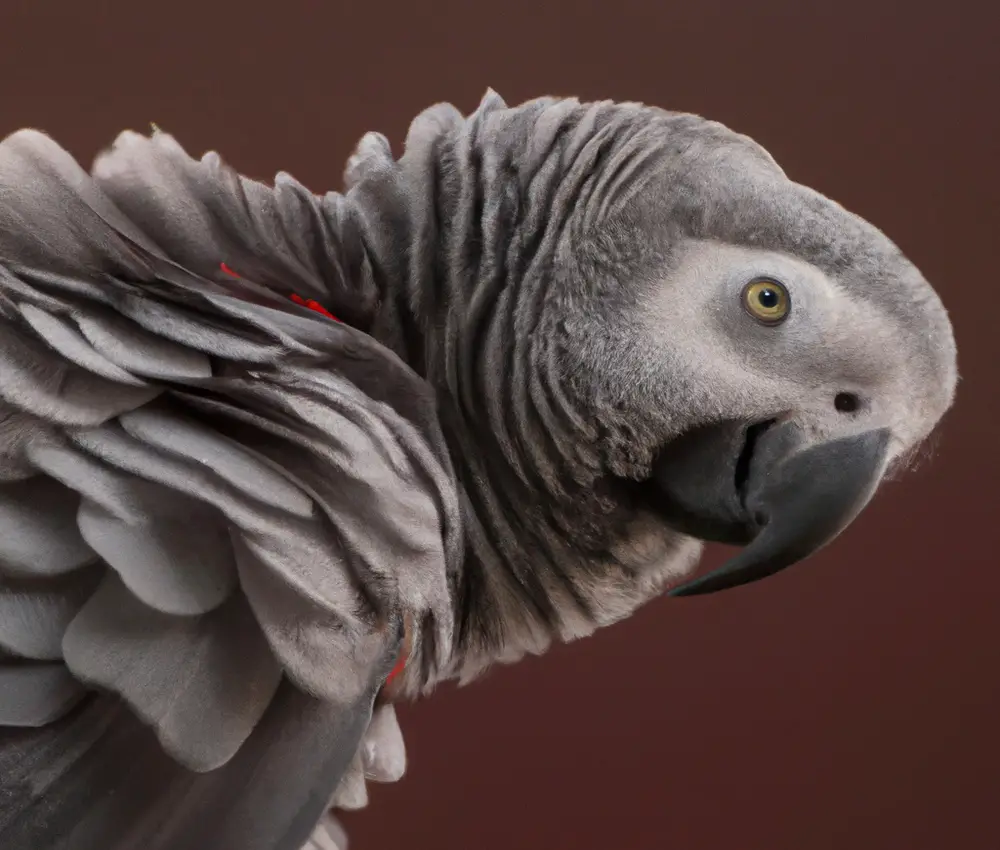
205	491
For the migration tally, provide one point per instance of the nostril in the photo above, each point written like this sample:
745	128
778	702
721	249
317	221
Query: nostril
847	402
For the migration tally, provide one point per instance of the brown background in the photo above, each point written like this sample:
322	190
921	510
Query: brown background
852	703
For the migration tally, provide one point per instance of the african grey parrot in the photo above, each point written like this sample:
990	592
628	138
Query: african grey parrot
271	460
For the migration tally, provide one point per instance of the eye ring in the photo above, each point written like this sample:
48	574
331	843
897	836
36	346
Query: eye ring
766	300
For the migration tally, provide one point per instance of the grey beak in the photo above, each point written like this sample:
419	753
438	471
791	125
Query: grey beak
799	501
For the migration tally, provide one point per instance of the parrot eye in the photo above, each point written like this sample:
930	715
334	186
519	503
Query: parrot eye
767	301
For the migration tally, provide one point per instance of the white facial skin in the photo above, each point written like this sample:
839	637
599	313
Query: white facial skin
830	342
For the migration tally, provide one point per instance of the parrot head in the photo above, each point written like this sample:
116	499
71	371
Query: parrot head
643	336
780	352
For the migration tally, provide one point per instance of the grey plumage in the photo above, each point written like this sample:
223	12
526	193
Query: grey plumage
98	778
161	555
209	488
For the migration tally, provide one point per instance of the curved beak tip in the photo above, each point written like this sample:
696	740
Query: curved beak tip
810	497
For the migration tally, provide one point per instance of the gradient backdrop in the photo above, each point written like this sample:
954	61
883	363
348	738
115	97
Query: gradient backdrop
852	703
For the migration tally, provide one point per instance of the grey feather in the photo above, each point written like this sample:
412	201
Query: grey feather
71	344
34	380
141	352
34	615
179	560
383	749
34	695
233	464
201	682
38	531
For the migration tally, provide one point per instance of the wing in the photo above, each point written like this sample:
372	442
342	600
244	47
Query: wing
380	758
98	778
216	505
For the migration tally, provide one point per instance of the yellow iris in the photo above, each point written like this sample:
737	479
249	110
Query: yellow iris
766	300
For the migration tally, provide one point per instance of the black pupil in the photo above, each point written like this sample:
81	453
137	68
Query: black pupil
768	298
